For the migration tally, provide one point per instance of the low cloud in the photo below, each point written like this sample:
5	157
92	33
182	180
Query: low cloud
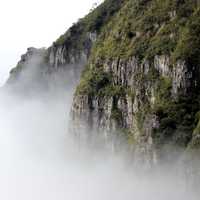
39	160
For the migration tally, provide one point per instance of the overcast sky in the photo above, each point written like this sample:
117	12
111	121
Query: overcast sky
26	23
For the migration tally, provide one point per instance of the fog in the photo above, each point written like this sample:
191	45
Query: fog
34	23
39	160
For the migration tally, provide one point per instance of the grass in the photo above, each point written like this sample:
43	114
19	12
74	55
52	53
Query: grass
144	29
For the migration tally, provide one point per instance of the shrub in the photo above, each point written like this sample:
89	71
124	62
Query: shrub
92	81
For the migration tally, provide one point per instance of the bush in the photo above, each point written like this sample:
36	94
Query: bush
189	42
93	81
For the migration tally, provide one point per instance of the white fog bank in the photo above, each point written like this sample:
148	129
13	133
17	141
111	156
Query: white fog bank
38	161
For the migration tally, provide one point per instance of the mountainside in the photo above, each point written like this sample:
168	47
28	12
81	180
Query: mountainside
67	56
140	79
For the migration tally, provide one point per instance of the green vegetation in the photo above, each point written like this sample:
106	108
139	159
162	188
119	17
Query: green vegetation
195	143
177	121
93	81
144	29
101	15
96	82
76	38
190	40
116	114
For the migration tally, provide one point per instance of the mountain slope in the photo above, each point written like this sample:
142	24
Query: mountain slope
140	81
142	78
67	56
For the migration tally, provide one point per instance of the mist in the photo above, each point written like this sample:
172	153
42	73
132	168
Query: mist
40	161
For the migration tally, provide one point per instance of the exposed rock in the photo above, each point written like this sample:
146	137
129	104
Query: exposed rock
162	64
135	113
58	66
141	81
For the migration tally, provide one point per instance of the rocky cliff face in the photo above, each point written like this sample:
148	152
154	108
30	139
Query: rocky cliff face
142	82
32	61
43	69
134	102
62	63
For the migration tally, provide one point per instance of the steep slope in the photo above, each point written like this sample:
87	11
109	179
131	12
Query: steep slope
66	58
140	81
142	78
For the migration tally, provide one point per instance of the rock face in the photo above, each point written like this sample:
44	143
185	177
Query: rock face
42	69
140	80
29	74
62	63
134	107
33	55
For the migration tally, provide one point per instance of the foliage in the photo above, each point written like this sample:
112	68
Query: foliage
76	36
190	40
116	114
101	15
93	81
177	120
146	28
195	143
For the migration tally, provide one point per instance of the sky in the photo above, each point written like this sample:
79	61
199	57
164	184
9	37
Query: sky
34	23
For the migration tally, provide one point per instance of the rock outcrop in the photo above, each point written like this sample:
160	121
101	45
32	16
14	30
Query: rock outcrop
132	102
62	63
42	69
142	82
140	79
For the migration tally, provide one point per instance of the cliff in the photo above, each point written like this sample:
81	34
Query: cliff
139	61
142	79
62	63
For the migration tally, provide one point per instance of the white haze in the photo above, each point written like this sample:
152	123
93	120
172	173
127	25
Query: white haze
39	161
34	23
